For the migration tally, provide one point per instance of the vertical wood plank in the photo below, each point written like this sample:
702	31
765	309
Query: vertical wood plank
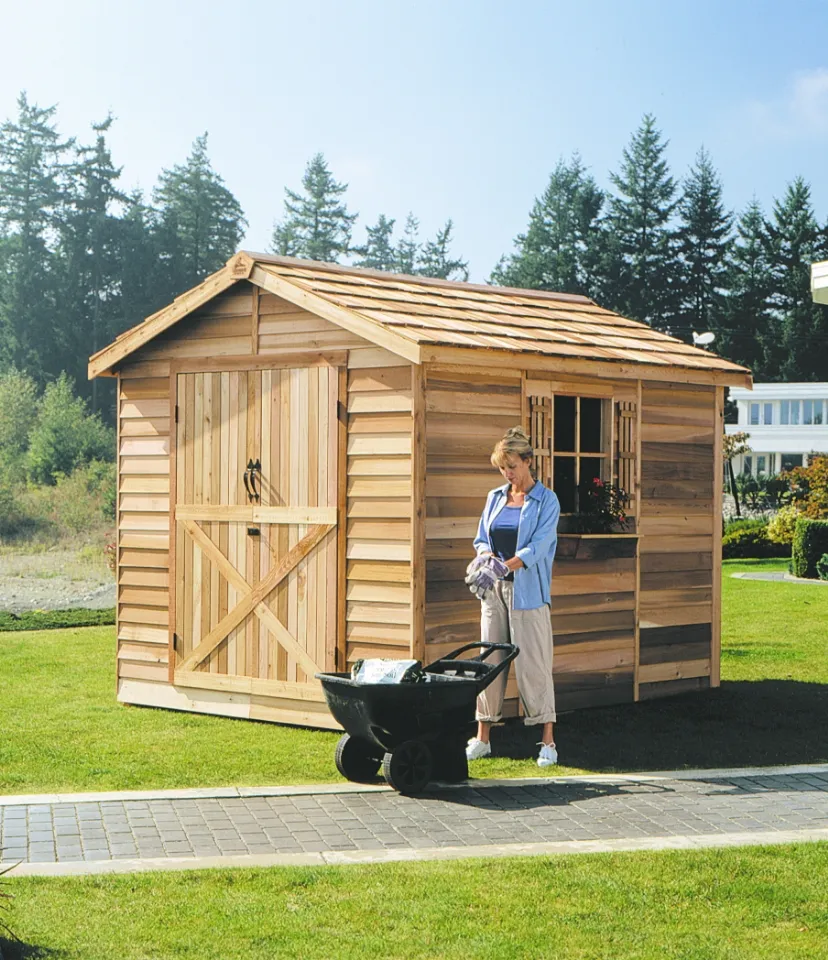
314	584
224	498
198	497
254	543
207	492
283	590
240	633
254	330
337	488
418	510
189	498
172	579
265	640
635	427
233	483
718	467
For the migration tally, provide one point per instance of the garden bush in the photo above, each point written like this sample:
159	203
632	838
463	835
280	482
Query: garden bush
749	539
782	525
809	544
86	497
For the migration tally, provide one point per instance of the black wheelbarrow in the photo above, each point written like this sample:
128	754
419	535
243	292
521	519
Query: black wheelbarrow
415	732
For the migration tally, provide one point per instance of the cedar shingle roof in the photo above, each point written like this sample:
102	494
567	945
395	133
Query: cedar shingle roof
417	317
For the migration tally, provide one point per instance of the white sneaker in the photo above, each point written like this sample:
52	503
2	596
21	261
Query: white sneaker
476	749
548	756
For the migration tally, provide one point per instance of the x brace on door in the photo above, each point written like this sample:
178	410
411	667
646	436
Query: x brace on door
253	596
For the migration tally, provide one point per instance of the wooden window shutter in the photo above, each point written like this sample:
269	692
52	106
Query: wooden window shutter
625	447
540	435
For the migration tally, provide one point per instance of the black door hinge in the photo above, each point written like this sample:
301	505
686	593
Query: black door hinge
176	413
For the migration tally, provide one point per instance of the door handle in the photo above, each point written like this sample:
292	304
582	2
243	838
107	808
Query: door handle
250	475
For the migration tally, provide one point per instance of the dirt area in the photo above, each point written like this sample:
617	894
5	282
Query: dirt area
56	579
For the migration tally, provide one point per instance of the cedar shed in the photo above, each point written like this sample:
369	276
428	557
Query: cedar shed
303	456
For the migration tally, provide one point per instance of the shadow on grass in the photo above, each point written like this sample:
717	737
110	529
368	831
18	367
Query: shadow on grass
18	950
740	724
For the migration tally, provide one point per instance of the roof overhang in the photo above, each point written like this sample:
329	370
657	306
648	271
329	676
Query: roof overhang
819	282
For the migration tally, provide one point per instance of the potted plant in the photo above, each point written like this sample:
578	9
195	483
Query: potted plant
603	508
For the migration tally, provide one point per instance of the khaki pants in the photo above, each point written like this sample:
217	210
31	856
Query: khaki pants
531	630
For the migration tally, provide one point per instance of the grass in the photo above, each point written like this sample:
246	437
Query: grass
702	905
54	619
64	731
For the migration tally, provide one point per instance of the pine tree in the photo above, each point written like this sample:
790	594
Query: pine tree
32	181
555	252
408	246
89	249
378	252
798	349
435	259
200	221
640	233
317	225
704	240
744	331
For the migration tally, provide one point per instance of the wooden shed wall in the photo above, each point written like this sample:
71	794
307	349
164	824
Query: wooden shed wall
680	527
231	326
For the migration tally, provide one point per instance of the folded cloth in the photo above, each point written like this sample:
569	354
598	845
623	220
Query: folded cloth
483	572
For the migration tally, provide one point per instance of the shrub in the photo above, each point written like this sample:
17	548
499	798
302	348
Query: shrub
749	538
86	497
54	619
809	544
782	525
822	567
64	435
809	487
18	407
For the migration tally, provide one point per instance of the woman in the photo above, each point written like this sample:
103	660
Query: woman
519	525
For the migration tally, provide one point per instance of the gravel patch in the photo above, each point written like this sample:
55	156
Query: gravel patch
54	580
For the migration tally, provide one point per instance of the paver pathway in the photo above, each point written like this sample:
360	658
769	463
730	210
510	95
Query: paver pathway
318	825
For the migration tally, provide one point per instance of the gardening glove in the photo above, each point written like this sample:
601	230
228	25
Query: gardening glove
483	573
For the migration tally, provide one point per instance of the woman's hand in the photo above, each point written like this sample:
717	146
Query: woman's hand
514	563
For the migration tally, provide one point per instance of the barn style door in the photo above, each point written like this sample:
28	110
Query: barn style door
255	558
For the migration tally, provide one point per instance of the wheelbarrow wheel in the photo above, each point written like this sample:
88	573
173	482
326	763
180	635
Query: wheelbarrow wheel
408	767
357	760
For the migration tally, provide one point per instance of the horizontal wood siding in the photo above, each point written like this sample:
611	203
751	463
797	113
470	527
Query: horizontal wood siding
142	608
465	417
677	525
378	495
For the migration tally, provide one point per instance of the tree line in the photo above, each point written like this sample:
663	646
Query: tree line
81	259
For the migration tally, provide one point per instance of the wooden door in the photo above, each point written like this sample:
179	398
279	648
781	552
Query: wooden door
255	550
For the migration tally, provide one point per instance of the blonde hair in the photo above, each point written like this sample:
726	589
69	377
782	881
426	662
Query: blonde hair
515	443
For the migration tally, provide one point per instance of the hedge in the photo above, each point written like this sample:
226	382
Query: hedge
743	539
53	619
809	544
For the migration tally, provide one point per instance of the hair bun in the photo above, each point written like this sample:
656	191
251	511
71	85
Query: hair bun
518	433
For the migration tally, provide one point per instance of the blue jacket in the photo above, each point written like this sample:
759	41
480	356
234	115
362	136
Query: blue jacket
537	539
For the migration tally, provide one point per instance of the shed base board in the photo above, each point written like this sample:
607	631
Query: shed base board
240	706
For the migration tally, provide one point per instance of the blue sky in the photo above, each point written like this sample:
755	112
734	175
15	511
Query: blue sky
448	109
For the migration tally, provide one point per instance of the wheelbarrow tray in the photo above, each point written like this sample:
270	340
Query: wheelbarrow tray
388	714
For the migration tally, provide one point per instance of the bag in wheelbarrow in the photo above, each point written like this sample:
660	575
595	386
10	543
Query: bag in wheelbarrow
415	732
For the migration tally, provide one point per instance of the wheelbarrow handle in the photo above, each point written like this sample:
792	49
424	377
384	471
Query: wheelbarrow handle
489	648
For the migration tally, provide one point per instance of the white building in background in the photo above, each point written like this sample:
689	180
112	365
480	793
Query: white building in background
786	423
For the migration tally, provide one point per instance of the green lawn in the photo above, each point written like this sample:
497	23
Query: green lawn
703	905
64	731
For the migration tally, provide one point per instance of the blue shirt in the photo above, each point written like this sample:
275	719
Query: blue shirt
503	534
536	542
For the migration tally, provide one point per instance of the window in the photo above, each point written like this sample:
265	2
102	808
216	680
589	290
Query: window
795	413
768	413
761	464
571	438
812	411
791	460
754	414
785	412
747	465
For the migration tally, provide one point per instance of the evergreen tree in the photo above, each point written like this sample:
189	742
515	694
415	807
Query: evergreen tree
704	237
798	347
744	331
200	221
89	248
317	225
640	234
556	251
435	259
32	174
378	252
408	246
